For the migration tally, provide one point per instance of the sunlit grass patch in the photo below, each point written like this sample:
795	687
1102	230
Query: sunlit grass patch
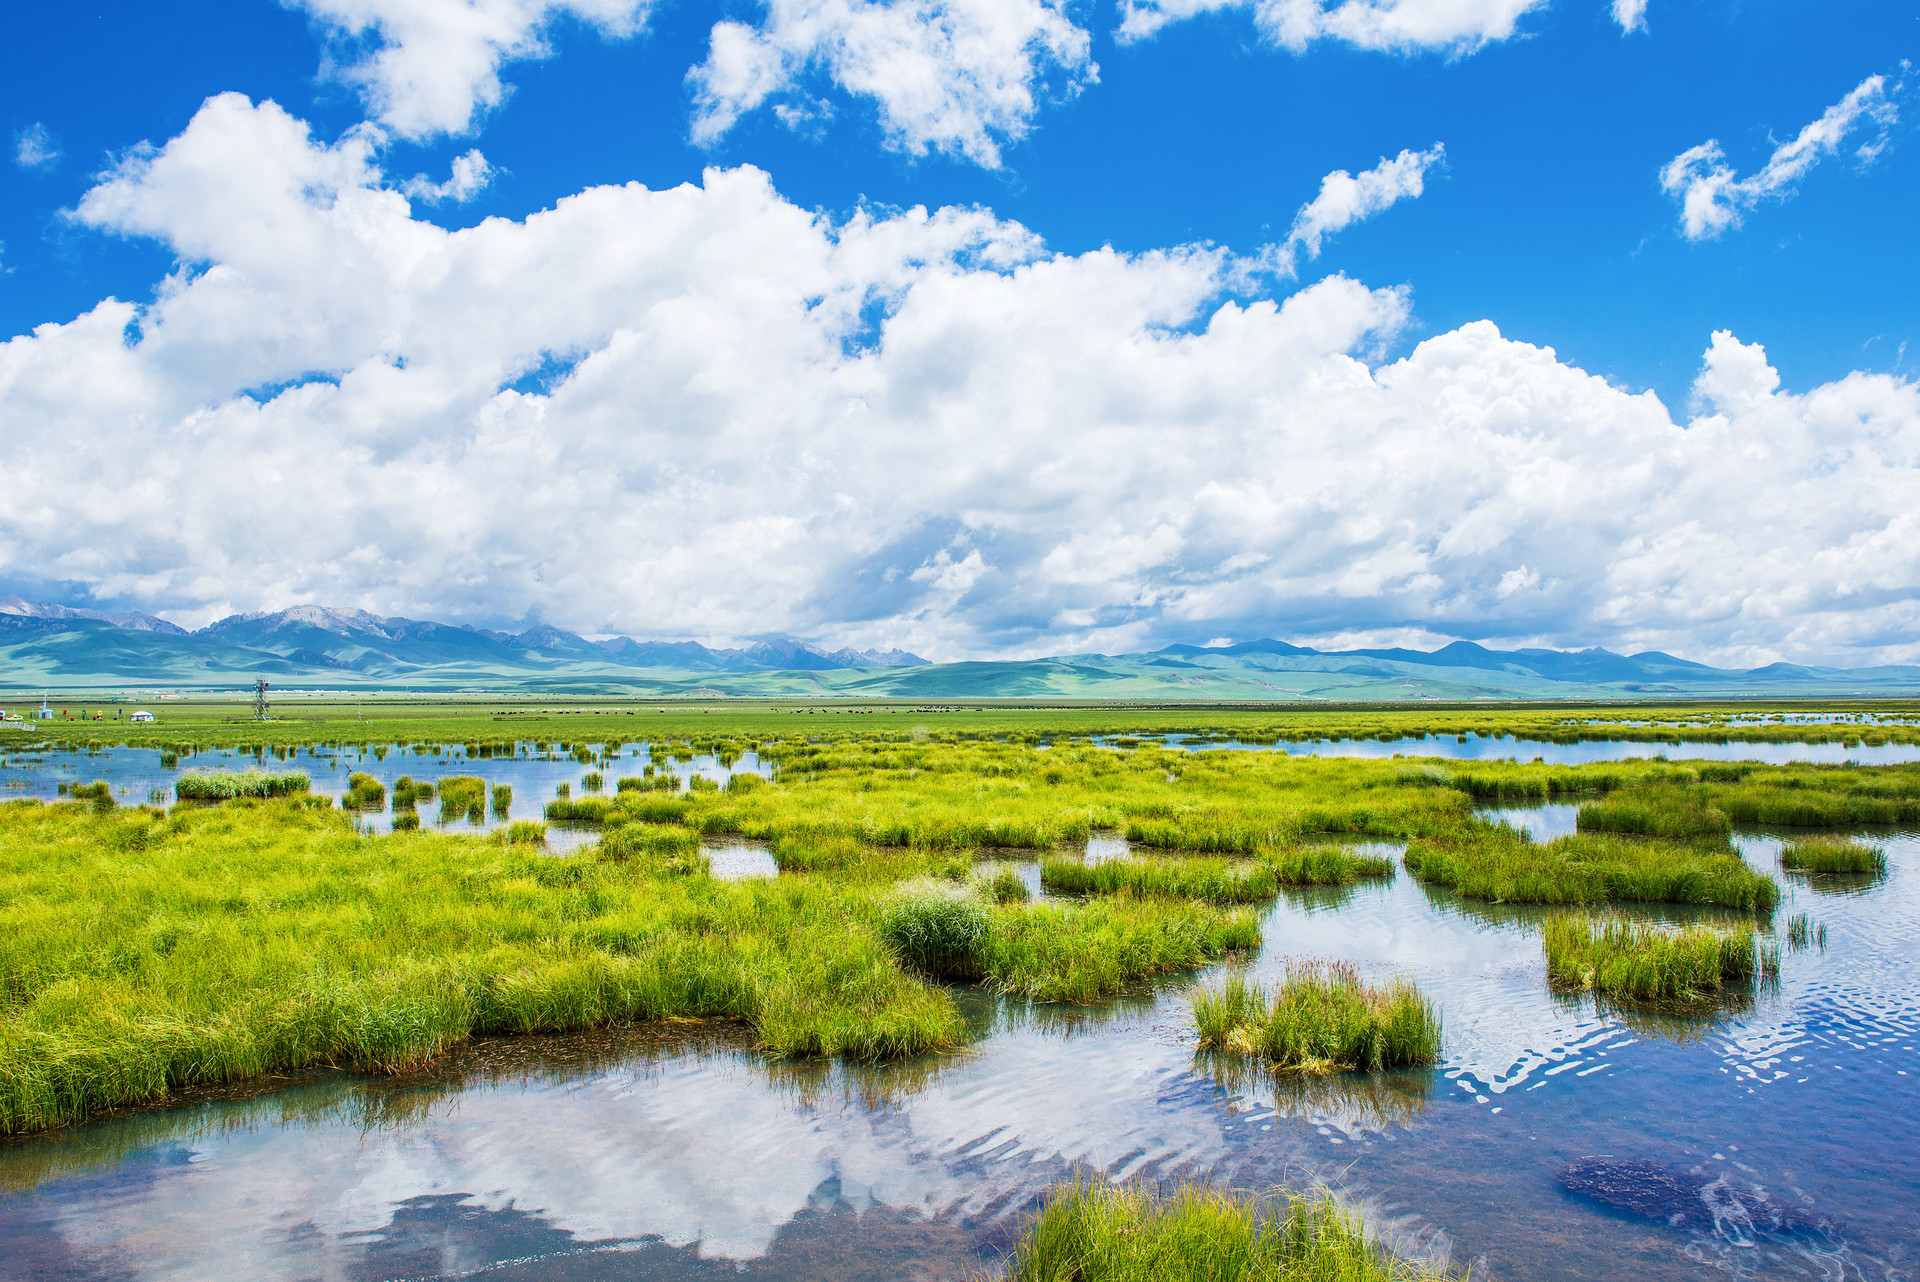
1833	854
1654	812
1322	1015
1639	961
1060	952
1091	1231
1497	862
1224	881
224	786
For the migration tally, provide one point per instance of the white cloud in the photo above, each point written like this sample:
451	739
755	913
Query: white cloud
1630	14
470	176
959	76
34	148
1712	198
427	67
1345	200
1109	443
1399	26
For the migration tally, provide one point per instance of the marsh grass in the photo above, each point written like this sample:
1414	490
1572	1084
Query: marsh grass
1092	1231
1005	887
1079	952
1497	862
1326	866
1223	881
225	786
1804	933
938	929
1833	855
364	792
1642	962
463	795
1322	1016
1654	812
139	954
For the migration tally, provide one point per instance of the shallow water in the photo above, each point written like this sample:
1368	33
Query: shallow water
1509	748
653	1154
136	773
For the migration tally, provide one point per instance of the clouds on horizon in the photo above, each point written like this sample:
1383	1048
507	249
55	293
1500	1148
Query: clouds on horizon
674	412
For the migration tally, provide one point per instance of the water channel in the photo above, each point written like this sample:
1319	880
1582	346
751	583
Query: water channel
1557	1140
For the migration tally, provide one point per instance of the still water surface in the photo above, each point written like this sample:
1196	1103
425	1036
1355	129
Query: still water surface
1777	1140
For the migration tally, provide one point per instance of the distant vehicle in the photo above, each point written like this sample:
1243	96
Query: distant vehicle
141	716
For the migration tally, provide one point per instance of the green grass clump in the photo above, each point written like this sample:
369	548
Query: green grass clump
463	795
530	832
1007	888
1325	866
1061	952
248	783
1833	854
1638	961
663	852
1091	1231
1499	863
502	799
1322	1016
1221	881
938	929
1654	812
364	792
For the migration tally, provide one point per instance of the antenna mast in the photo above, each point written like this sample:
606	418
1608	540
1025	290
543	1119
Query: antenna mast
260	699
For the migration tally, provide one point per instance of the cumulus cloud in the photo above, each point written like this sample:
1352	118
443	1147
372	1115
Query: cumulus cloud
1027	452
1345	200
1630	14
34	148
959	76
471	174
1712	198
1400	26
428	67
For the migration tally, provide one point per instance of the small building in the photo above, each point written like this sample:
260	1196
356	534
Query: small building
141	716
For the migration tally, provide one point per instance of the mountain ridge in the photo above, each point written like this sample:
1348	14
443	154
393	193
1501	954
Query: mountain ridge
44	644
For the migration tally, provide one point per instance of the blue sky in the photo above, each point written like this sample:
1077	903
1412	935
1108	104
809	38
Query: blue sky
1538	143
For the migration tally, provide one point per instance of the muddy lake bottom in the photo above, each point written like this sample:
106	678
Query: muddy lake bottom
1773	1138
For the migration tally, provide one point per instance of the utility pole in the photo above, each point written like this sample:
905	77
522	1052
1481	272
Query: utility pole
260	699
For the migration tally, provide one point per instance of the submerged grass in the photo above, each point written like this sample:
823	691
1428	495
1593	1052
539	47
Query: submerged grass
1833	854
1499	863
1091	1231
1638	961
1322	1016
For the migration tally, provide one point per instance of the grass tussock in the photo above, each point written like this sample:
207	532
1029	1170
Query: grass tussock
1639	961
1322	1016
225	786
1497	862
1833	854
1091	1231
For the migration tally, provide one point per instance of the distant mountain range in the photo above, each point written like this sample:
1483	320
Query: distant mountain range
45	645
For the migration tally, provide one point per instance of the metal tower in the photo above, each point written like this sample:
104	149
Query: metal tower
260	699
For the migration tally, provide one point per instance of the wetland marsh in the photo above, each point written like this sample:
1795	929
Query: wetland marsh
805	1026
